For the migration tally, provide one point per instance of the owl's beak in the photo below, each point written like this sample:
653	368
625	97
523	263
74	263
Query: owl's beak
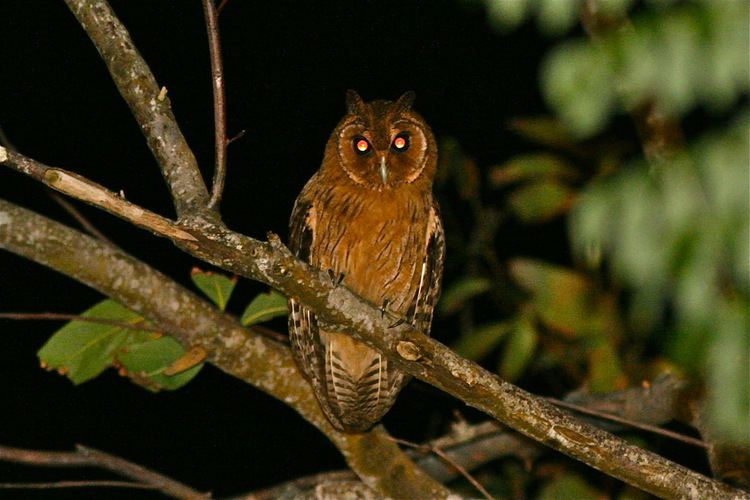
383	170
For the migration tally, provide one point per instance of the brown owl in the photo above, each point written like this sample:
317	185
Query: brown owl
368	217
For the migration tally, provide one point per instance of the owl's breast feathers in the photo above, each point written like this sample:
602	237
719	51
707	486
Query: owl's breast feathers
389	247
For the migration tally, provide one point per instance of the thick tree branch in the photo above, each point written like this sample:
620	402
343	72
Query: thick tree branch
273	264
149	105
251	357
429	360
89	457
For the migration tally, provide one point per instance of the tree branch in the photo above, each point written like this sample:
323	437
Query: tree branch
76	484
251	357
220	121
89	457
76	317
149	105
337	307
419	355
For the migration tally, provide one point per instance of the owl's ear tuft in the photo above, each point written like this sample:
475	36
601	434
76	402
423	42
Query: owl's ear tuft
405	102
354	103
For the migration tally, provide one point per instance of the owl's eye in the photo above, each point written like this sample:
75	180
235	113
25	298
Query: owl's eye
361	145
400	143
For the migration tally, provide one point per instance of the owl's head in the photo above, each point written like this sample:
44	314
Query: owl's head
384	144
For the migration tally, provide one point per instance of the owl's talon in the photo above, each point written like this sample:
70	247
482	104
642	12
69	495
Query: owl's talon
383	308
335	279
398	322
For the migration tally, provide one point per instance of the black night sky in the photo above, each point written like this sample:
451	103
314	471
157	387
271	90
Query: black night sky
287	66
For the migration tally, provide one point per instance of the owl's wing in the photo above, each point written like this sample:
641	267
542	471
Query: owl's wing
423	304
303	326
420	311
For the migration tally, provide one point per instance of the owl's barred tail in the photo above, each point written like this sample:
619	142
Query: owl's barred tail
360	385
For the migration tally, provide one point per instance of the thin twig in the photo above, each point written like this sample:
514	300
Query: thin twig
74	317
79	217
76	484
150	107
630	423
412	351
238	135
220	121
271	334
222	5
437	451
88	457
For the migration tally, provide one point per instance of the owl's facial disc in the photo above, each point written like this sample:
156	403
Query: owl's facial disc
382	156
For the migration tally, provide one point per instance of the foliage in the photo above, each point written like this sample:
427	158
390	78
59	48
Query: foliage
82	350
264	307
217	287
660	271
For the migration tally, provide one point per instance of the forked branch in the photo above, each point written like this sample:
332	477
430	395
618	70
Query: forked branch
201	235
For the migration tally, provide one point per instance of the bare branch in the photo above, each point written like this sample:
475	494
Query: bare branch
78	216
628	422
315	486
440	453
151	109
85	190
427	359
222	5
75	317
337	308
75	484
238	135
266	364
88	457
220	121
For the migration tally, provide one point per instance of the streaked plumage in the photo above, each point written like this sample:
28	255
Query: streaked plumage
368	215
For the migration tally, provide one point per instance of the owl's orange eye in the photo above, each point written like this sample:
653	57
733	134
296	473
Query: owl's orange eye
400	143
361	145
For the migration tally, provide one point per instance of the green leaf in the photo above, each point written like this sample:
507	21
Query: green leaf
217	287
146	362
505	14
605	370
568	486
483	339
82	350
535	166
540	201
577	82
557	16
519	350
265	306
461	291
561	297
727	367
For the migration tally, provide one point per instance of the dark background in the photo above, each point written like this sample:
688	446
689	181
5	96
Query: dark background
287	66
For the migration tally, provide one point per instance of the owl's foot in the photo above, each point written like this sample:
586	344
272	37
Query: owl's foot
335	280
398	322
384	308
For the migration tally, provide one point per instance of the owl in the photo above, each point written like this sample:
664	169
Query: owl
368	218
